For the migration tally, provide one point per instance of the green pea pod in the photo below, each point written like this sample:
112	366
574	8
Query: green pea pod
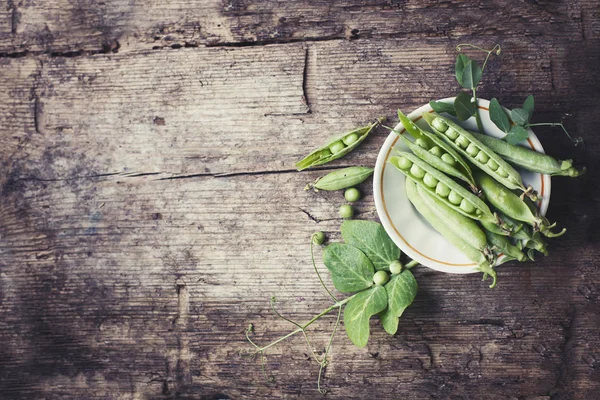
503	245
341	178
463	169
438	163
515	229
477	153
336	148
528	159
439	184
473	254
510	204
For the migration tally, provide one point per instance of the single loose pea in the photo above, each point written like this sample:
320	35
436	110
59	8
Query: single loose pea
448	159
429	180
352	195
337	147
472	150
381	278
348	140
346	211
500	171
442	190
493	165
395	267
454	198
436	151
404	163
440	125
451	133
318	237
467	206
421	143
417	171
462	141
482	157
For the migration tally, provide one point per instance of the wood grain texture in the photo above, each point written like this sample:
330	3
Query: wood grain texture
149	205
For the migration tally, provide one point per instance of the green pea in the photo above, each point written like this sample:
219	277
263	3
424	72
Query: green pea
442	190
348	140
352	195
472	150
448	159
440	125
466	206
404	163
462	141
451	133
325	153
417	171
395	267
381	278
454	198
429	180
421	143
436	151
318	237
346	211
482	157
500	171
337	147
493	165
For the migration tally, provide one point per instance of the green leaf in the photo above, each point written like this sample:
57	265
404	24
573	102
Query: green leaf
516	135
471	75
441	107
465	109
351	270
498	116
372	239
359	310
519	116
461	61
528	106
401	291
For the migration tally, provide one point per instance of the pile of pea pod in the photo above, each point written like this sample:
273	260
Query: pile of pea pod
466	186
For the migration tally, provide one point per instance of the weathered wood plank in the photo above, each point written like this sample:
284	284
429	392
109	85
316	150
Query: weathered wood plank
69	25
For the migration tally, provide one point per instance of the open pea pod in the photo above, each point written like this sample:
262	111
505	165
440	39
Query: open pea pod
442	186
528	159
444	152
336	147
477	153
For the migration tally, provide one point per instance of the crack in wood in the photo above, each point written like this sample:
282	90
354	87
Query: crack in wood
305	81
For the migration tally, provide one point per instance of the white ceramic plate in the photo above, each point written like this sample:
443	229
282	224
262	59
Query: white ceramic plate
404	224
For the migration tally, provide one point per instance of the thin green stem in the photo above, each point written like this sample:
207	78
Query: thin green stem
327	349
554	124
477	117
312	255
411	264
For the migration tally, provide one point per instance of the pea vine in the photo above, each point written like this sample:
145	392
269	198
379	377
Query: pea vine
361	266
514	123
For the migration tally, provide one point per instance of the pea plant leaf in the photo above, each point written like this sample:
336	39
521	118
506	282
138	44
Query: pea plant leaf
464	107
360	309
519	116
528	106
441	107
372	239
498	116
401	291
516	135
461	61
471	75
351	270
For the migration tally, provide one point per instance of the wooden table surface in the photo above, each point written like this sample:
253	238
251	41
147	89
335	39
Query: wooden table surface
149	205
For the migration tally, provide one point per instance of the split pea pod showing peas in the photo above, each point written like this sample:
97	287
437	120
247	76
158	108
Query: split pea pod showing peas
446	158
530	160
336	148
443	187
341	178
473	254
510	204
476	152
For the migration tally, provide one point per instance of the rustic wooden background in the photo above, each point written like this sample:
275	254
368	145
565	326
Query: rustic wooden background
149	205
